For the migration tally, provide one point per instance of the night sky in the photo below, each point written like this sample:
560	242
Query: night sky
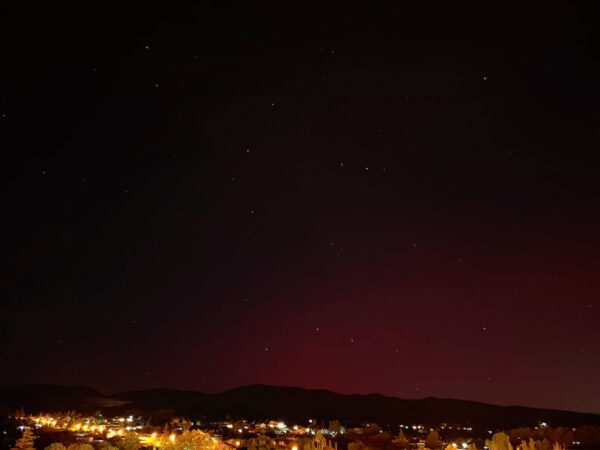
357	196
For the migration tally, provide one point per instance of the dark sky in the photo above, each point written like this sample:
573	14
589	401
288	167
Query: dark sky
358	196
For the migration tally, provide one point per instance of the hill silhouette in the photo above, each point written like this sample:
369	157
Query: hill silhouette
44	397
292	404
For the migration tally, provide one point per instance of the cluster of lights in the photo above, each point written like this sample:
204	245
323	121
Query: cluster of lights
89	425
107	428
450	427
113	433
117	427
413	427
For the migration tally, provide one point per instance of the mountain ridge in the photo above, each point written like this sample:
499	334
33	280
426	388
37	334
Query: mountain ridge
260	401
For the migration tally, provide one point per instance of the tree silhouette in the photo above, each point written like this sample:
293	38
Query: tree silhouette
56	446
25	442
107	446
192	440
499	441
433	440
402	440
335	426
129	442
80	447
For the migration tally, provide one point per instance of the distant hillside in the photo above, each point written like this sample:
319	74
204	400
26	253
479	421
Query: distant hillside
297	404
44	397
292	404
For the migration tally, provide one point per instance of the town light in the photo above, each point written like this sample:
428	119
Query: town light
172	438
